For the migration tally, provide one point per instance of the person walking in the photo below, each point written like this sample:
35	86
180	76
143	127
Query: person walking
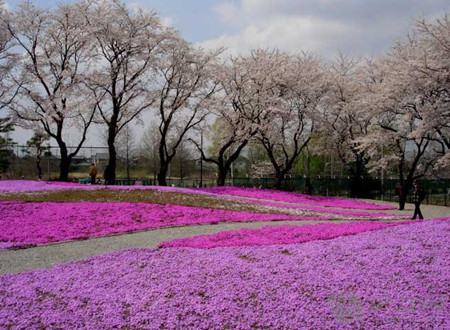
93	173
417	198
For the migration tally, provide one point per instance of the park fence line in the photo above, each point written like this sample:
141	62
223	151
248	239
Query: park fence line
438	190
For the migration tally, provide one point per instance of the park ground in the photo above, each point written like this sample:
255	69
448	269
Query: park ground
331	254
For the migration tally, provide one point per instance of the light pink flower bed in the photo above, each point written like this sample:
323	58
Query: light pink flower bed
14	186
23	224
322	209
274	235
17	186
397	278
290	197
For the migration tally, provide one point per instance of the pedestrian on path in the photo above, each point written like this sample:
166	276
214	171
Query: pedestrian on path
93	173
417	198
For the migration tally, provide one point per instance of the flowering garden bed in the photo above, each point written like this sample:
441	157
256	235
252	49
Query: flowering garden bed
295	199
41	221
289	197
25	224
311	207
272	235
394	278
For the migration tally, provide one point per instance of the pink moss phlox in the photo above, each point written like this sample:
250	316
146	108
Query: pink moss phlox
12	186
266	195
283	196
23	223
394	278
272	235
322	210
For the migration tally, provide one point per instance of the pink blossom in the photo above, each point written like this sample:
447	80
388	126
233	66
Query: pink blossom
39	223
393	278
272	235
283	196
258	196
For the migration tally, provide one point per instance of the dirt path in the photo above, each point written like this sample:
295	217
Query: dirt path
13	261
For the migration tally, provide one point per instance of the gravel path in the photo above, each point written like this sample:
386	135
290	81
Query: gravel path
13	261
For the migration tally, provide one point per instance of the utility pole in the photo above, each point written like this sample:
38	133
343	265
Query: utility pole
382	173
201	159
128	155
180	155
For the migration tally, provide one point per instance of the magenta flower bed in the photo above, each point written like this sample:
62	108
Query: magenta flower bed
283	196
25	224
272	235
395	278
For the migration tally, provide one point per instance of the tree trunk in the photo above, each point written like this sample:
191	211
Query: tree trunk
162	173
64	164
279	180
406	187
221	176
110	170
38	167
358	187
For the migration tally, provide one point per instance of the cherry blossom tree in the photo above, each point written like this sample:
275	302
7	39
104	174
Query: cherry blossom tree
186	91
7	60
128	44
55	57
432	72
410	114
298	86
347	116
239	108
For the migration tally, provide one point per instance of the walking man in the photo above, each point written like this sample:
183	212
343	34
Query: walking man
417	198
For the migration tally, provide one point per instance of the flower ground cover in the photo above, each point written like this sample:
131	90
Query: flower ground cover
283	196
14	186
42	221
319	209
272	235
11	186
394	278
23	224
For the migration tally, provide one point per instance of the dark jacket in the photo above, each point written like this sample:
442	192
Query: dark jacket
418	195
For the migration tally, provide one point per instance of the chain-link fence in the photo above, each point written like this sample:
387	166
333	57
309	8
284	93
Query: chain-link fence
22	161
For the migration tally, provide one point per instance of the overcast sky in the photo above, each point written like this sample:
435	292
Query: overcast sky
357	27
326	27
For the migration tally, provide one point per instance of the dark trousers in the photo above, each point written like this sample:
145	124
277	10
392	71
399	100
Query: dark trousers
92	179
417	211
